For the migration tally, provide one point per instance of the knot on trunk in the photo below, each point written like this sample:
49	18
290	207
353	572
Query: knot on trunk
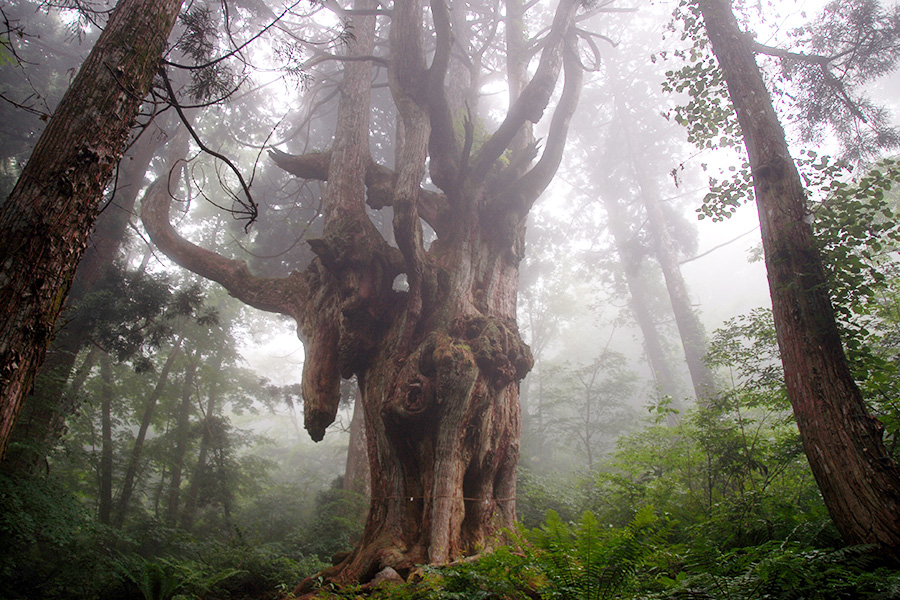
415	398
496	346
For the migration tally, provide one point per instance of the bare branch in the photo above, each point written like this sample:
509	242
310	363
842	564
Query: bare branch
284	296
237	50
249	210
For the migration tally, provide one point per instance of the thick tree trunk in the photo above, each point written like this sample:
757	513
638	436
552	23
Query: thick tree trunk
128	482
438	364
859	482
442	422
46	220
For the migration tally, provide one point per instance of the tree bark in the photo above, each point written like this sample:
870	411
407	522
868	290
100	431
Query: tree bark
46	220
858	480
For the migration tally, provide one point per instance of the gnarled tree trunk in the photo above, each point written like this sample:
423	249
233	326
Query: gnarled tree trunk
438	364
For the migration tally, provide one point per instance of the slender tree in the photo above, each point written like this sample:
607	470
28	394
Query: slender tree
131	469
182	435
46	220
202	467
105	468
693	338
859	482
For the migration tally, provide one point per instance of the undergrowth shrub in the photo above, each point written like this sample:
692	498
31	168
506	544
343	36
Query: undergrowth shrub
50	547
588	561
557	561
778	571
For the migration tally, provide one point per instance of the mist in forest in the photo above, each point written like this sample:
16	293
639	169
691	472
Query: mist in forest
377	288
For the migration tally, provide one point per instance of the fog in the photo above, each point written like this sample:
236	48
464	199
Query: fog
181	409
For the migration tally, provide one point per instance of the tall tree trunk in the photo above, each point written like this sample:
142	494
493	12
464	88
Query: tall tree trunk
182	440
106	444
631	261
46	220
43	418
693	339
134	460
632	254
858	480
690	330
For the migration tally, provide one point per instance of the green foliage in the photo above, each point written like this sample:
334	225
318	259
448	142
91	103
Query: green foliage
734	467
537	493
259	568
860	38
156	580
223	570
51	546
337	523
134	313
707	114
779	570
588	561
857	230
557	561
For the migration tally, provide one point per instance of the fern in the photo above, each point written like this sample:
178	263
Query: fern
589	562
784	571
162	579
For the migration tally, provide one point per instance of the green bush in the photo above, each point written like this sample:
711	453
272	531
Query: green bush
779	571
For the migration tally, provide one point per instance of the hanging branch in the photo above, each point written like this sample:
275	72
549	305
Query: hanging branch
249	209
237	49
